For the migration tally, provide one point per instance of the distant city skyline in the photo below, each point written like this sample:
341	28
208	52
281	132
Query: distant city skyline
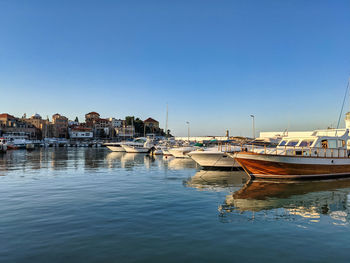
215	64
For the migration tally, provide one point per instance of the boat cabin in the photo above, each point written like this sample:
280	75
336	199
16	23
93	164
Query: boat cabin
327	143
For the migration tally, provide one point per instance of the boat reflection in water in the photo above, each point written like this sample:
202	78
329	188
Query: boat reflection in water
128	160
285	199
217	180
181	163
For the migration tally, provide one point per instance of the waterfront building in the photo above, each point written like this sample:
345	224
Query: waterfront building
80	133
152	124
115	123
90	118
60	126
11	124
44	127
101	128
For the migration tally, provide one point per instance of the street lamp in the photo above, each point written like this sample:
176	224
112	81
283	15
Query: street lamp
188	131
253	118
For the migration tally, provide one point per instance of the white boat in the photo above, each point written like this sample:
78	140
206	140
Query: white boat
139	148
214	158
115	146
182	152
159	150
118	146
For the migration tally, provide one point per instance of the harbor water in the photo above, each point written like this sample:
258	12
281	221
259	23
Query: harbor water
93	205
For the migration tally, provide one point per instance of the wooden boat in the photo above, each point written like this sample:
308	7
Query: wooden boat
322	154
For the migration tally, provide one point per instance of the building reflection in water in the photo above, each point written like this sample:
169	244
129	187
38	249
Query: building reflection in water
286	199
59	158
94	158
128	160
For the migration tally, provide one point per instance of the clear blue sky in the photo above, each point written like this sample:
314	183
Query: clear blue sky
214	62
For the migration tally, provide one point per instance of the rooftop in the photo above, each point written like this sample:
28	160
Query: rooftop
150	120
6	115
93	113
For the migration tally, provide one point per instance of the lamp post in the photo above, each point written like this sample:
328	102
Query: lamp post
253	118
188	131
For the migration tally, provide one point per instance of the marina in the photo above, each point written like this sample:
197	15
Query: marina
175	131
60	203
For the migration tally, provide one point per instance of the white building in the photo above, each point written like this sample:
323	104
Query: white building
116	123
279	134
80	133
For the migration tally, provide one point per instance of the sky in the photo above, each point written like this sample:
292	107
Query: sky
214	63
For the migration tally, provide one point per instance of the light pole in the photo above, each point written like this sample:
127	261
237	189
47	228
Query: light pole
188	131
253	117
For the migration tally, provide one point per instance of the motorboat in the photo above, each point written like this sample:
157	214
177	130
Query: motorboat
139	148
118	146
3	145
322	154
182	152
159	150
114	146
216	158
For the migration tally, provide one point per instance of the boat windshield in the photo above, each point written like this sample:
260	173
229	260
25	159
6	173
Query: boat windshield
306	143
282	143
292	143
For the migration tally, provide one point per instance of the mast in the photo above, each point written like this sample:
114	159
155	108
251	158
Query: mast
166	122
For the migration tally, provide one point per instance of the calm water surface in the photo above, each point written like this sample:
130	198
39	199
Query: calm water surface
92	205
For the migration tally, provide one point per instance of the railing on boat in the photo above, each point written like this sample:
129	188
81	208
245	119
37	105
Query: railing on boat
306	151
288	150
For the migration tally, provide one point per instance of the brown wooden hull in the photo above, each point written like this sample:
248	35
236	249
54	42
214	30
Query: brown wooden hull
289	168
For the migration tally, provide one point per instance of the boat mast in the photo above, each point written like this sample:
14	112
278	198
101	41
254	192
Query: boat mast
166	122
341	111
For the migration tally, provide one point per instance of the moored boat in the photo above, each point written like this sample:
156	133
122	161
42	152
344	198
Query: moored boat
322	154
114	146
214	158
139	148
182	152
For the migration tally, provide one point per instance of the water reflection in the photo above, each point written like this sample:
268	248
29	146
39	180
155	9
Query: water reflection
181	163
217	180
284	199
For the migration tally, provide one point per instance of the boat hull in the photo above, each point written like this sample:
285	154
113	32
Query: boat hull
116	148
292	167
181	152
215	160
133	149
